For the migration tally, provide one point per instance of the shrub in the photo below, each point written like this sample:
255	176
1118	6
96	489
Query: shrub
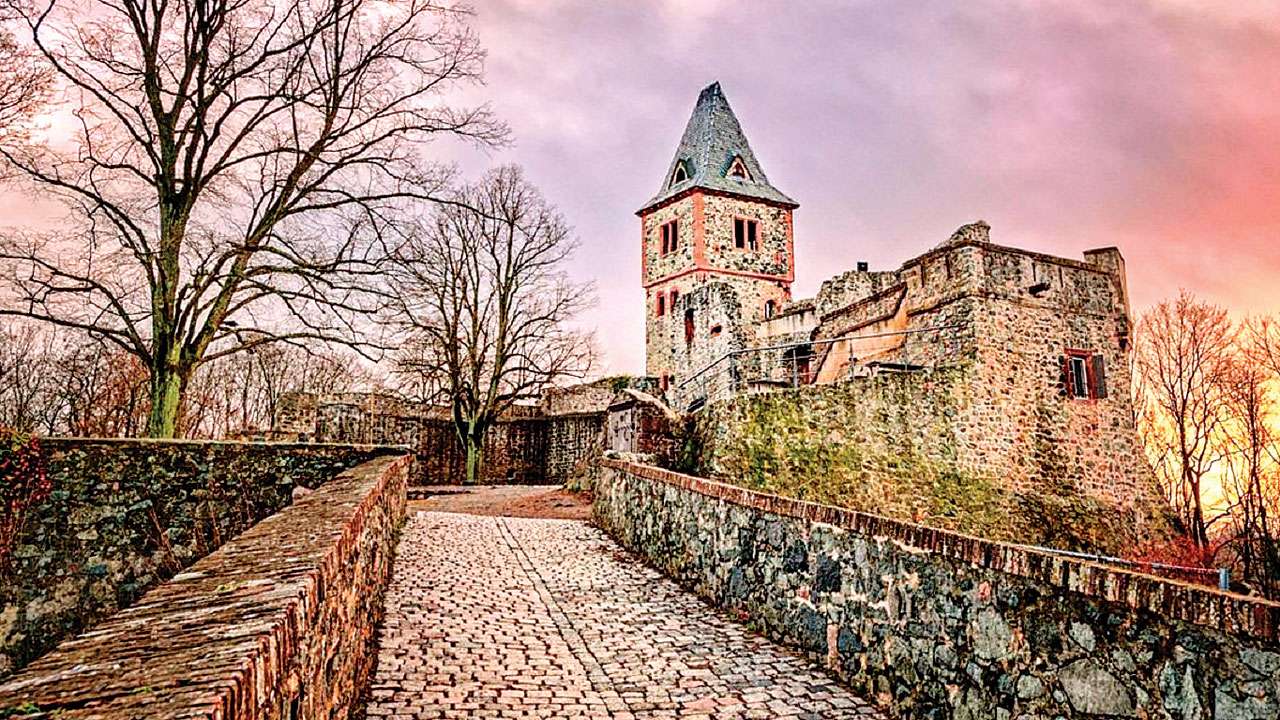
24	482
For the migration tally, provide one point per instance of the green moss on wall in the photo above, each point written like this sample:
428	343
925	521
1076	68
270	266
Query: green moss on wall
888	445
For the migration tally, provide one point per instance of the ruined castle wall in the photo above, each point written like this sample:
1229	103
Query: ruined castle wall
934	624
1012	316
124	515
1023	424
913	446
278	623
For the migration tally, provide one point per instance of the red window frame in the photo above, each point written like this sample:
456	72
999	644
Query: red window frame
1089	385
662	305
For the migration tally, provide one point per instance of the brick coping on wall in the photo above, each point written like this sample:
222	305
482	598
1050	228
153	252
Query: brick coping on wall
68	439
1226	611
224	637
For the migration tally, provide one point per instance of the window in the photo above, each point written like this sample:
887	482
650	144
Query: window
738	170
715	330
770	308
670	237
1084	375
681	173
688	325
662	304
675	295
744	233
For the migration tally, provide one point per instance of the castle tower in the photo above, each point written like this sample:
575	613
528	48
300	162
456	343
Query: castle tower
717	248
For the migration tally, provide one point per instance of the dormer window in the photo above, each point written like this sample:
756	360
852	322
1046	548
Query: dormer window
738	170
681	173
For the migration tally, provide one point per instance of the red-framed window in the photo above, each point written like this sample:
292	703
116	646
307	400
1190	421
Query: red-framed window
670	236
662	305
688	325
745	233
675	295
1083	375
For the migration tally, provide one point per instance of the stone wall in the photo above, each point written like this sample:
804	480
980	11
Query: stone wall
932	624
277	623
910	446
528	445
124	515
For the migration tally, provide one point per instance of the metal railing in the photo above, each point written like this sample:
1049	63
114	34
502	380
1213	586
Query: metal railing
1221	575
799	363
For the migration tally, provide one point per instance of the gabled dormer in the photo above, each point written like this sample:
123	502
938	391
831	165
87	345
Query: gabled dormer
738	170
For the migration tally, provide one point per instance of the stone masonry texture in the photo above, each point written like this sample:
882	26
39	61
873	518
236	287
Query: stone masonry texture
125	514
529	445
520	618
905	445
277	623
934	624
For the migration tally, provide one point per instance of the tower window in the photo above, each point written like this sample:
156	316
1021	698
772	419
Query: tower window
662	304
1084	375
745	232
688	325
670	236
770	309
738	170
681	173
675	295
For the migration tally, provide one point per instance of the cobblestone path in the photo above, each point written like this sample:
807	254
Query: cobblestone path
522	618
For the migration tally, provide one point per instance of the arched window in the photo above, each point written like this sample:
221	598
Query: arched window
681	173
738	170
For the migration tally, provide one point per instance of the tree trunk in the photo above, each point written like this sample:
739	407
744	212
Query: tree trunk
475	458
166	398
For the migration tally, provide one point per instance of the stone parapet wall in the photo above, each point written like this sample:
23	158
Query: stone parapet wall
277	623
123	515
934	624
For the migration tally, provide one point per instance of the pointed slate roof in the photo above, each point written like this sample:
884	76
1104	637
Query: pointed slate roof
712	140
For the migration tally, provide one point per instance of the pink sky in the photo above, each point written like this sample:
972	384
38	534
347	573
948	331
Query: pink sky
1153	126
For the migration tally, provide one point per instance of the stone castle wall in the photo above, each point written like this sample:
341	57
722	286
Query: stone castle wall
528	445
124	515
906	445
1009	318
278	623
932	624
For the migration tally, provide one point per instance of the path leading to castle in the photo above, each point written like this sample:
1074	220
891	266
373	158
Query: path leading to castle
509	617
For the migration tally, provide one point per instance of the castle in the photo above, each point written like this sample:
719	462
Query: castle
1042	341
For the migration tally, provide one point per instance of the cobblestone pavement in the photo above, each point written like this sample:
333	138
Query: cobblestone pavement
530	618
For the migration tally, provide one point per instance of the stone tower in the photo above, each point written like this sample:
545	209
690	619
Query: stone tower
717	248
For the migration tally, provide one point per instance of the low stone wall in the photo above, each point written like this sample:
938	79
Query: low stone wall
123	515
277	623
934	624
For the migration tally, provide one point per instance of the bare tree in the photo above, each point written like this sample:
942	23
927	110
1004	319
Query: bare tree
233	168
1184	353
1249	472
488	307
24	81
